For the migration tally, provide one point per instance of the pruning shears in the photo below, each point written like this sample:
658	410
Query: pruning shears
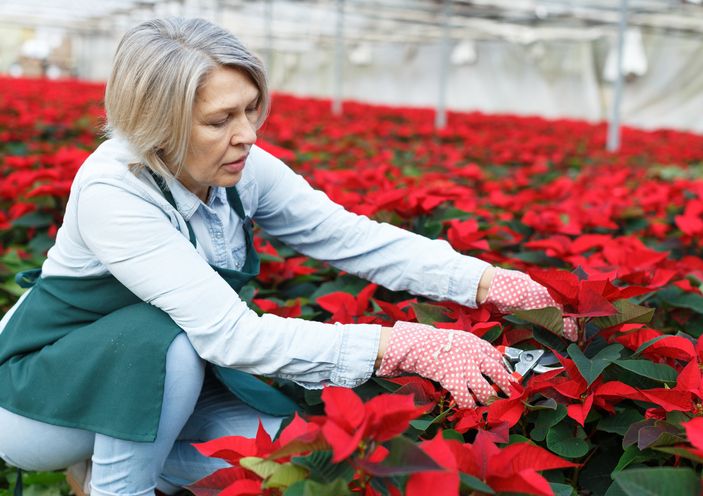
520	363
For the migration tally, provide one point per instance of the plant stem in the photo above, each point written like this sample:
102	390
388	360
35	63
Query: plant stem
577	469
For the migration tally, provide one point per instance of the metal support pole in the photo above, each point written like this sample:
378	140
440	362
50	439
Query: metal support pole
614	124
339	60
268	19
440	120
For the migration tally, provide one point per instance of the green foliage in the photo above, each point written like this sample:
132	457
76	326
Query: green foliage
550	318
568	440
627	313
658	481
429	314
471	483
313	488
34	483
321	468
656	371
592	368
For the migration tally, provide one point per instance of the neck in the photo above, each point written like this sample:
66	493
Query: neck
204	195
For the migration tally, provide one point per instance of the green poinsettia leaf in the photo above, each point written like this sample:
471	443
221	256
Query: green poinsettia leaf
34	219
678	298
628	313
678	451
298	447
550	318
260	466
453	434
427	313
561	489
567	441
405	457
469	483
247	294
620	422
427	227
657	371
545	420
549	340
321	468
647	344
658	481
423	424
545	404
312	488
518	438
346	284
632	454
592	368
267	257
285	475
492	334
40	244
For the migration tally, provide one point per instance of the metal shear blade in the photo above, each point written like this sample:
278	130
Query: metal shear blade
521	362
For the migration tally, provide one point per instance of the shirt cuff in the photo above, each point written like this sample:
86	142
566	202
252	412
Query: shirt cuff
466	273
357	354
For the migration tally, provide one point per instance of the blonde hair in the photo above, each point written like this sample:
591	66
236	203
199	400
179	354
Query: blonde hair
158	68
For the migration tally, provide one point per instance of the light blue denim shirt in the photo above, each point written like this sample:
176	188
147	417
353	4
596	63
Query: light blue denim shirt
117	221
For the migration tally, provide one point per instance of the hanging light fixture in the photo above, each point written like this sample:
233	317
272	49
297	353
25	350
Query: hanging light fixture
464	53
634	59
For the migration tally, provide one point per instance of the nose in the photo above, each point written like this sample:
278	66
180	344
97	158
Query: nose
244	133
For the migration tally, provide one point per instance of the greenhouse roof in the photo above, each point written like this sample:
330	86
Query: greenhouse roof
374	19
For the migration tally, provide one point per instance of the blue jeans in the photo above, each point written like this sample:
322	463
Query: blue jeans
192	412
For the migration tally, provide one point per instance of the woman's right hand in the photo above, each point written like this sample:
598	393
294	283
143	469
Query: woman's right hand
458	360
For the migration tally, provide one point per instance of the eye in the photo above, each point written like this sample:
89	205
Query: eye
220	123
252	110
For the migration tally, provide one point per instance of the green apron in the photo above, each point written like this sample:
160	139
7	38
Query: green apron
87	353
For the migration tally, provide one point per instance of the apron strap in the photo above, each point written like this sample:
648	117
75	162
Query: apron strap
19	485
236	203
161	183
27	278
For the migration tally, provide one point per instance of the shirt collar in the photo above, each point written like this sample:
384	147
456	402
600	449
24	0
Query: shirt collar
187	203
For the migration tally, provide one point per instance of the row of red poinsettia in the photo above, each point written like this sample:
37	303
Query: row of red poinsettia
615	238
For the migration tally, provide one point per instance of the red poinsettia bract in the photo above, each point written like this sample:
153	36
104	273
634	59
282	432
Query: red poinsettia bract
510	469
582	297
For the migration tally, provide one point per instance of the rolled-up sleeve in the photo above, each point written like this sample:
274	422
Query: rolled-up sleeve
140	246
306	219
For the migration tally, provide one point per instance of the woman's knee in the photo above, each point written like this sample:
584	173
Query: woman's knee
219	413
184	368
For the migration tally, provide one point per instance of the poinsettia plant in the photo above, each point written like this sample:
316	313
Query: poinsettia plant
589	301
615	238
359	447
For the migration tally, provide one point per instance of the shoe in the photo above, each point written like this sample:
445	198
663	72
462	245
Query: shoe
78	477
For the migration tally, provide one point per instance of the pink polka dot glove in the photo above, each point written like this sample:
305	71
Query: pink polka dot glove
514	290
455	359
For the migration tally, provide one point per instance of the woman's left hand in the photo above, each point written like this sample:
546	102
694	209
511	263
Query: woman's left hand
512	290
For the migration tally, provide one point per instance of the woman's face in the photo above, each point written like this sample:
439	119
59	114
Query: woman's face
222	132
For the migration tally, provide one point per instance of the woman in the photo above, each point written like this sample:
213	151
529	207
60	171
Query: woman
105	356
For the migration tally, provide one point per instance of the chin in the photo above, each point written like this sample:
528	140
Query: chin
230	181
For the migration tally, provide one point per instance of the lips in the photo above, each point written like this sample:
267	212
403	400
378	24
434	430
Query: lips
235	165
241	159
